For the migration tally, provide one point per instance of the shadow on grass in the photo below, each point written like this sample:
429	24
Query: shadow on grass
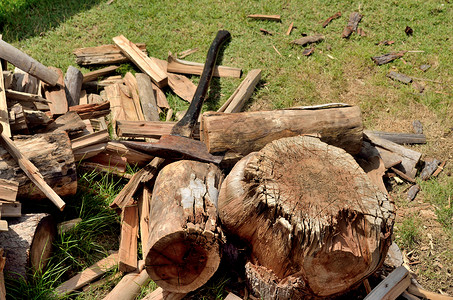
21	19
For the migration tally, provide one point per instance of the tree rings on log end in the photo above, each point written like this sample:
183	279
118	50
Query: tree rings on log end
310	214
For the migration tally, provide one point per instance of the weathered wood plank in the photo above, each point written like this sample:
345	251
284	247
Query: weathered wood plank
176	65
56	94
103	55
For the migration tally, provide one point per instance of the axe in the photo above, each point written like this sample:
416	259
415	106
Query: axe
180	144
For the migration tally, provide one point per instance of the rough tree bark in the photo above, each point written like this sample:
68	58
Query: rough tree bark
314	221
184	237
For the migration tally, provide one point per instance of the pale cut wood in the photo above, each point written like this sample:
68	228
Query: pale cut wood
243	93
161	99
392	286
413	289
88	275
65	226
4	116
58	167
265	17
128	243
24	97
94	75
149	129
32	172
238	134
83	97
131	82
8	190
56	94
132	156
28	64
128	103
8	78
114	97
129	287
102	282
89	151
408	296
147	98
143	213
176	65
310	214
73	85
160	294
28	243
399	138
142	61
232	296
90	139
11	209
184	237
103	55
3	225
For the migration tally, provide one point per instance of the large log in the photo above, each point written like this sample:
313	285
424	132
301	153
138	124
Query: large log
184	237
28	243
51	153
238	134
315	223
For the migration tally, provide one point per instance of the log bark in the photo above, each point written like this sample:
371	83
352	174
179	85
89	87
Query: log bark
184	237
52	154
103	55
386	58
238	134
73	84
314	221
329	19
353	23
309	40
147	98
28	243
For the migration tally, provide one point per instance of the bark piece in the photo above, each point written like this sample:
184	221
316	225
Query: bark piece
88	275
308	51
147	98
306	40
56	94
28	243
412	192
238	134
399	77
4	120
28	64
243	93
429	169
184	252
392	286
265	17
94	75
313	231
386	58
439	169
354	19
58	168
290	28
329	19
399	138
73	84
8	190
129	287
424	67
103	55
142	61
128	243
92	110
176	65
131	82
408	30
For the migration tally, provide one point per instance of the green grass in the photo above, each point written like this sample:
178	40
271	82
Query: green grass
409	232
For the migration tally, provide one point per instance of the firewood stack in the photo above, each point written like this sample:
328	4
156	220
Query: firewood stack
305	192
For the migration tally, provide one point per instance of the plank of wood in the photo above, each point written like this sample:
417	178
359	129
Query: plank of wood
413	289
306	40
11	209
392	286
132	156
8	190
94	75
114	97
73	84
243	93
31	171
103	55
3	225
88	151
28	64
150	129
131	82
160	294
24	97
67	225
176	65
399	138
329	19
91	110
143	212
142	61
127	102
161	99
265	17
4	116
147	98
128	243
88	275
56	94
17	120
90	139
129	287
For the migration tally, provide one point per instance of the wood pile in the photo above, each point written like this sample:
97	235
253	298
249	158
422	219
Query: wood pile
317	231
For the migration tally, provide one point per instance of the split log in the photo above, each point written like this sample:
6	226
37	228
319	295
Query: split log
389	158
28	243
309	40
161	99
238	134
149	129
329	19
176	65
92	110
90	139
88	151
265	17
353	23
8	190
315	223
51	153
132	156
56	94
103	55
184	237
147	98
129	287
70	122
26	63
243	93
143	215
127	253
131	83
4	120
399	138
386	58
73	85
94	75
8	78
142	61
36	118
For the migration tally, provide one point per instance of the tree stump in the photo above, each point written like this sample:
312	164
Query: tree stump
28	243
315	223
52	154
184	239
